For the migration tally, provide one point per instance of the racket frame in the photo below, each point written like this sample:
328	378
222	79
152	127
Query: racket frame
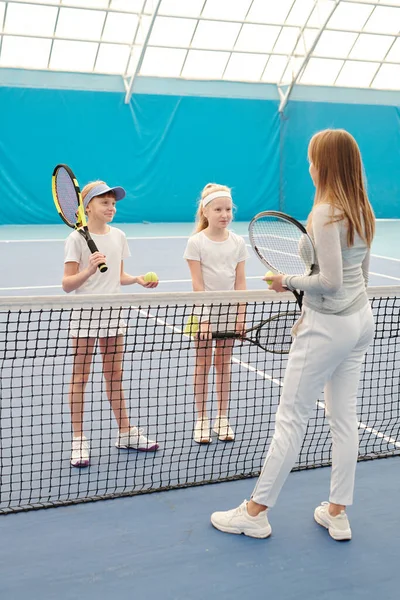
229	335
81	223
293	221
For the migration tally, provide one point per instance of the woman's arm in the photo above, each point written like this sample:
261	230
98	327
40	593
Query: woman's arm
329	255
365	267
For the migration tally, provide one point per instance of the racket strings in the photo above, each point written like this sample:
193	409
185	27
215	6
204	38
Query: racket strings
276	334
284	247
67	196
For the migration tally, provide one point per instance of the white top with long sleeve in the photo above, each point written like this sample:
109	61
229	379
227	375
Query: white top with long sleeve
340	277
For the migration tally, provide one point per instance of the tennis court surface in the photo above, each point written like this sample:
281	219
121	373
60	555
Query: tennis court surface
159	544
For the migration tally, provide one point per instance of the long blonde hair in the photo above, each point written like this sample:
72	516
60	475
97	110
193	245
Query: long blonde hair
337	158
210	188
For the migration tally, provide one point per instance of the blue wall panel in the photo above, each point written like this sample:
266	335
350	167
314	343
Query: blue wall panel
163	149
377	131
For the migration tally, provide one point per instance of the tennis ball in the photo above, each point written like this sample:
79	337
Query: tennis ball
269	281
192	325
150	276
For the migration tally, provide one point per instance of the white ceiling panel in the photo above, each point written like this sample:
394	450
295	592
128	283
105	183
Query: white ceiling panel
325	42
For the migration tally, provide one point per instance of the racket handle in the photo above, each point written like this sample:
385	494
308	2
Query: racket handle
93	248
226	335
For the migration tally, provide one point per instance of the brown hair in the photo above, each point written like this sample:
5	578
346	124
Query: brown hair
210	188
337	158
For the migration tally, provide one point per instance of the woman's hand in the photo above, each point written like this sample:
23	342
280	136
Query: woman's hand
275	283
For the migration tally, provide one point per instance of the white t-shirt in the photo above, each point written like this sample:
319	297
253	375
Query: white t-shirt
218	259
100	322
218	266
115	248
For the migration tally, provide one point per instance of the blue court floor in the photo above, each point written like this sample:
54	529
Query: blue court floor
161	546
31	257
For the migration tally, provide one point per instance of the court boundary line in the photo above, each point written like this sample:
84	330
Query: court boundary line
169	281
161	237
387	276
47	240
265	375
59	286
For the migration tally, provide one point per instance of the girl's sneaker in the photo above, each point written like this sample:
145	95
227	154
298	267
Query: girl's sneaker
80	452
223	430
135	440
201	433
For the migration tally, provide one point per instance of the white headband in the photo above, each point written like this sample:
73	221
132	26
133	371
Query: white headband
214	195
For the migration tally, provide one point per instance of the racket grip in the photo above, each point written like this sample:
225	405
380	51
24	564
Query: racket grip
226	335
93	248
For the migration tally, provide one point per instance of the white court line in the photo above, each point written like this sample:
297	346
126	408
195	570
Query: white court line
53	287
148	315
376	432
45	240
296	256
274	251
189	280
30	287
373	255
386	276
385	257
280	237
155	237
264	375
162	281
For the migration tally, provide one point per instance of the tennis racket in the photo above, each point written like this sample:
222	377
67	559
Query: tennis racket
68	200
272	335
283	245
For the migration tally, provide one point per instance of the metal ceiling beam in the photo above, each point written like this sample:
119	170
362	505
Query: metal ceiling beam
307	57
129	92
66	4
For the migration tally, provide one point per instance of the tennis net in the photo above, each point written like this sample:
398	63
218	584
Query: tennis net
38	347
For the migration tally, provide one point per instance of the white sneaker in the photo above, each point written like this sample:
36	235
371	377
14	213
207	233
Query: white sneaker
135	440
338	527
238	520
80	452
223	429
201	433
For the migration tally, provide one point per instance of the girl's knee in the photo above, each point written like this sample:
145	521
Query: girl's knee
79	379
112	373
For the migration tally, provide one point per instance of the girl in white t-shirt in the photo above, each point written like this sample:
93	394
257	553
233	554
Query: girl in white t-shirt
105	327
216	258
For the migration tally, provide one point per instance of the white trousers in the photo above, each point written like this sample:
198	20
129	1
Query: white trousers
327	353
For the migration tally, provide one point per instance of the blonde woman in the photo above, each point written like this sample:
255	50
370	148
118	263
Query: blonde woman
331	341
82	276
216	259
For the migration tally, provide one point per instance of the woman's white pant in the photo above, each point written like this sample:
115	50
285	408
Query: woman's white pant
327	353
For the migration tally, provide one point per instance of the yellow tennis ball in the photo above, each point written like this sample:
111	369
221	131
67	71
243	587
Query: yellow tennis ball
192	325
150	276
269	281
